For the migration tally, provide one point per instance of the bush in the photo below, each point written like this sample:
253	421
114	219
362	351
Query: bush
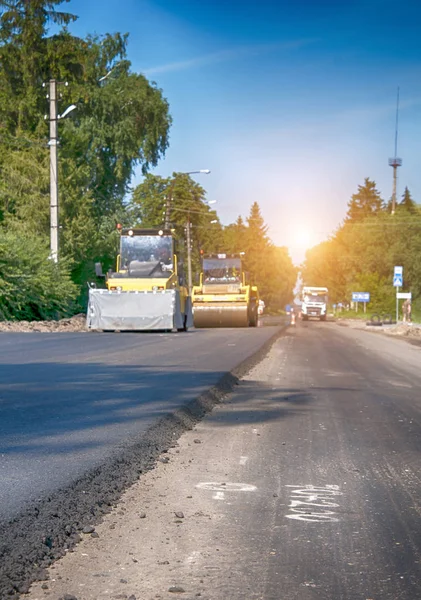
32	286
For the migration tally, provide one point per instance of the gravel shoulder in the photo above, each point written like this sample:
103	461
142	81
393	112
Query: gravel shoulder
407	331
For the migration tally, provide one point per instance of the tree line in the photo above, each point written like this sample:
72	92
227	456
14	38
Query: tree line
121	122
360	256
268	266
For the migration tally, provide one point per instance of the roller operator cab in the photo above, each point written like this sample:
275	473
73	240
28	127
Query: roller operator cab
224	298
314	303
144	292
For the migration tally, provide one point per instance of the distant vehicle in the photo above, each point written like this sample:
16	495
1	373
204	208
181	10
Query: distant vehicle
260	307
314	303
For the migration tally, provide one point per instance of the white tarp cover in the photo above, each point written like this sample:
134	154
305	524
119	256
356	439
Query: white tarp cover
111	310
189	312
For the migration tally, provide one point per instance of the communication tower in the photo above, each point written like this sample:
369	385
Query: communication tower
395	162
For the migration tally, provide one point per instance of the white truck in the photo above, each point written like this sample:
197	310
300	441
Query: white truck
314	303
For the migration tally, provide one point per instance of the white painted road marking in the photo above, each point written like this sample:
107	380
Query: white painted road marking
219	496
243	460
313	504
214	486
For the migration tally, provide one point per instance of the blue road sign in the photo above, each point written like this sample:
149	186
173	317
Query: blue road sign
361	296
398	276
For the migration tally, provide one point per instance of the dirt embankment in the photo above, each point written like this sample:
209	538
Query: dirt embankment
411	331
73	324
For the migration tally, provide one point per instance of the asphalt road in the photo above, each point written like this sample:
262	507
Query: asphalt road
305	486
68	402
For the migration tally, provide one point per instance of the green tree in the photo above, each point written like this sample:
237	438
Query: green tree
407	202
181	200
323	267
23	24
268	266
233	238
366	202
178	198
121	122
362	253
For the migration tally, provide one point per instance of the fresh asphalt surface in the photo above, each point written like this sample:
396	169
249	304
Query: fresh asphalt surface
306	485
70	401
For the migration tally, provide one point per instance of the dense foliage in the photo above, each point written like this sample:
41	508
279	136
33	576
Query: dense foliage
32	286
121	121
361	255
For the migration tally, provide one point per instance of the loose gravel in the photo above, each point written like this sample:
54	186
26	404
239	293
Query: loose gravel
72	324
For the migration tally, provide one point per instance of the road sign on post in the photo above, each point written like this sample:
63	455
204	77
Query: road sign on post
398	283
360	297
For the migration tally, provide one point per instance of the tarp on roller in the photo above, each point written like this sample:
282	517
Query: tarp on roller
112	310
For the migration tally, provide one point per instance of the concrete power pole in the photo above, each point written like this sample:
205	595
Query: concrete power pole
168	203
53	171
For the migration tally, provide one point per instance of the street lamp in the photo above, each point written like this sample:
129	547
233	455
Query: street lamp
67	111
104	77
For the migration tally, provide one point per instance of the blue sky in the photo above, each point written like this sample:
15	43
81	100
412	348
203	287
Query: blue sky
291	104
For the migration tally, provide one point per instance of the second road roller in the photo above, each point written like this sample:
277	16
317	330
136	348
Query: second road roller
224	298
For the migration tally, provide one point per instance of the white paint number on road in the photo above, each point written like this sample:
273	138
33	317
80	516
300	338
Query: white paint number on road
314	504
214	486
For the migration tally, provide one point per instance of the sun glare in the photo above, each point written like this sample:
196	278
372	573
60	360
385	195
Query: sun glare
303	238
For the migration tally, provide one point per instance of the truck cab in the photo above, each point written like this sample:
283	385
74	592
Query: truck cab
314	303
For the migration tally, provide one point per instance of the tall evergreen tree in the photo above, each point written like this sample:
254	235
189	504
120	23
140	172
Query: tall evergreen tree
269	267
407	202
366	202
233	239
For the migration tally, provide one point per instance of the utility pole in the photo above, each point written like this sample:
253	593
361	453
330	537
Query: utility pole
189	274
53	142
167	223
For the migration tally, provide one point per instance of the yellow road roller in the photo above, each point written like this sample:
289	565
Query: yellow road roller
144	292
223	298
